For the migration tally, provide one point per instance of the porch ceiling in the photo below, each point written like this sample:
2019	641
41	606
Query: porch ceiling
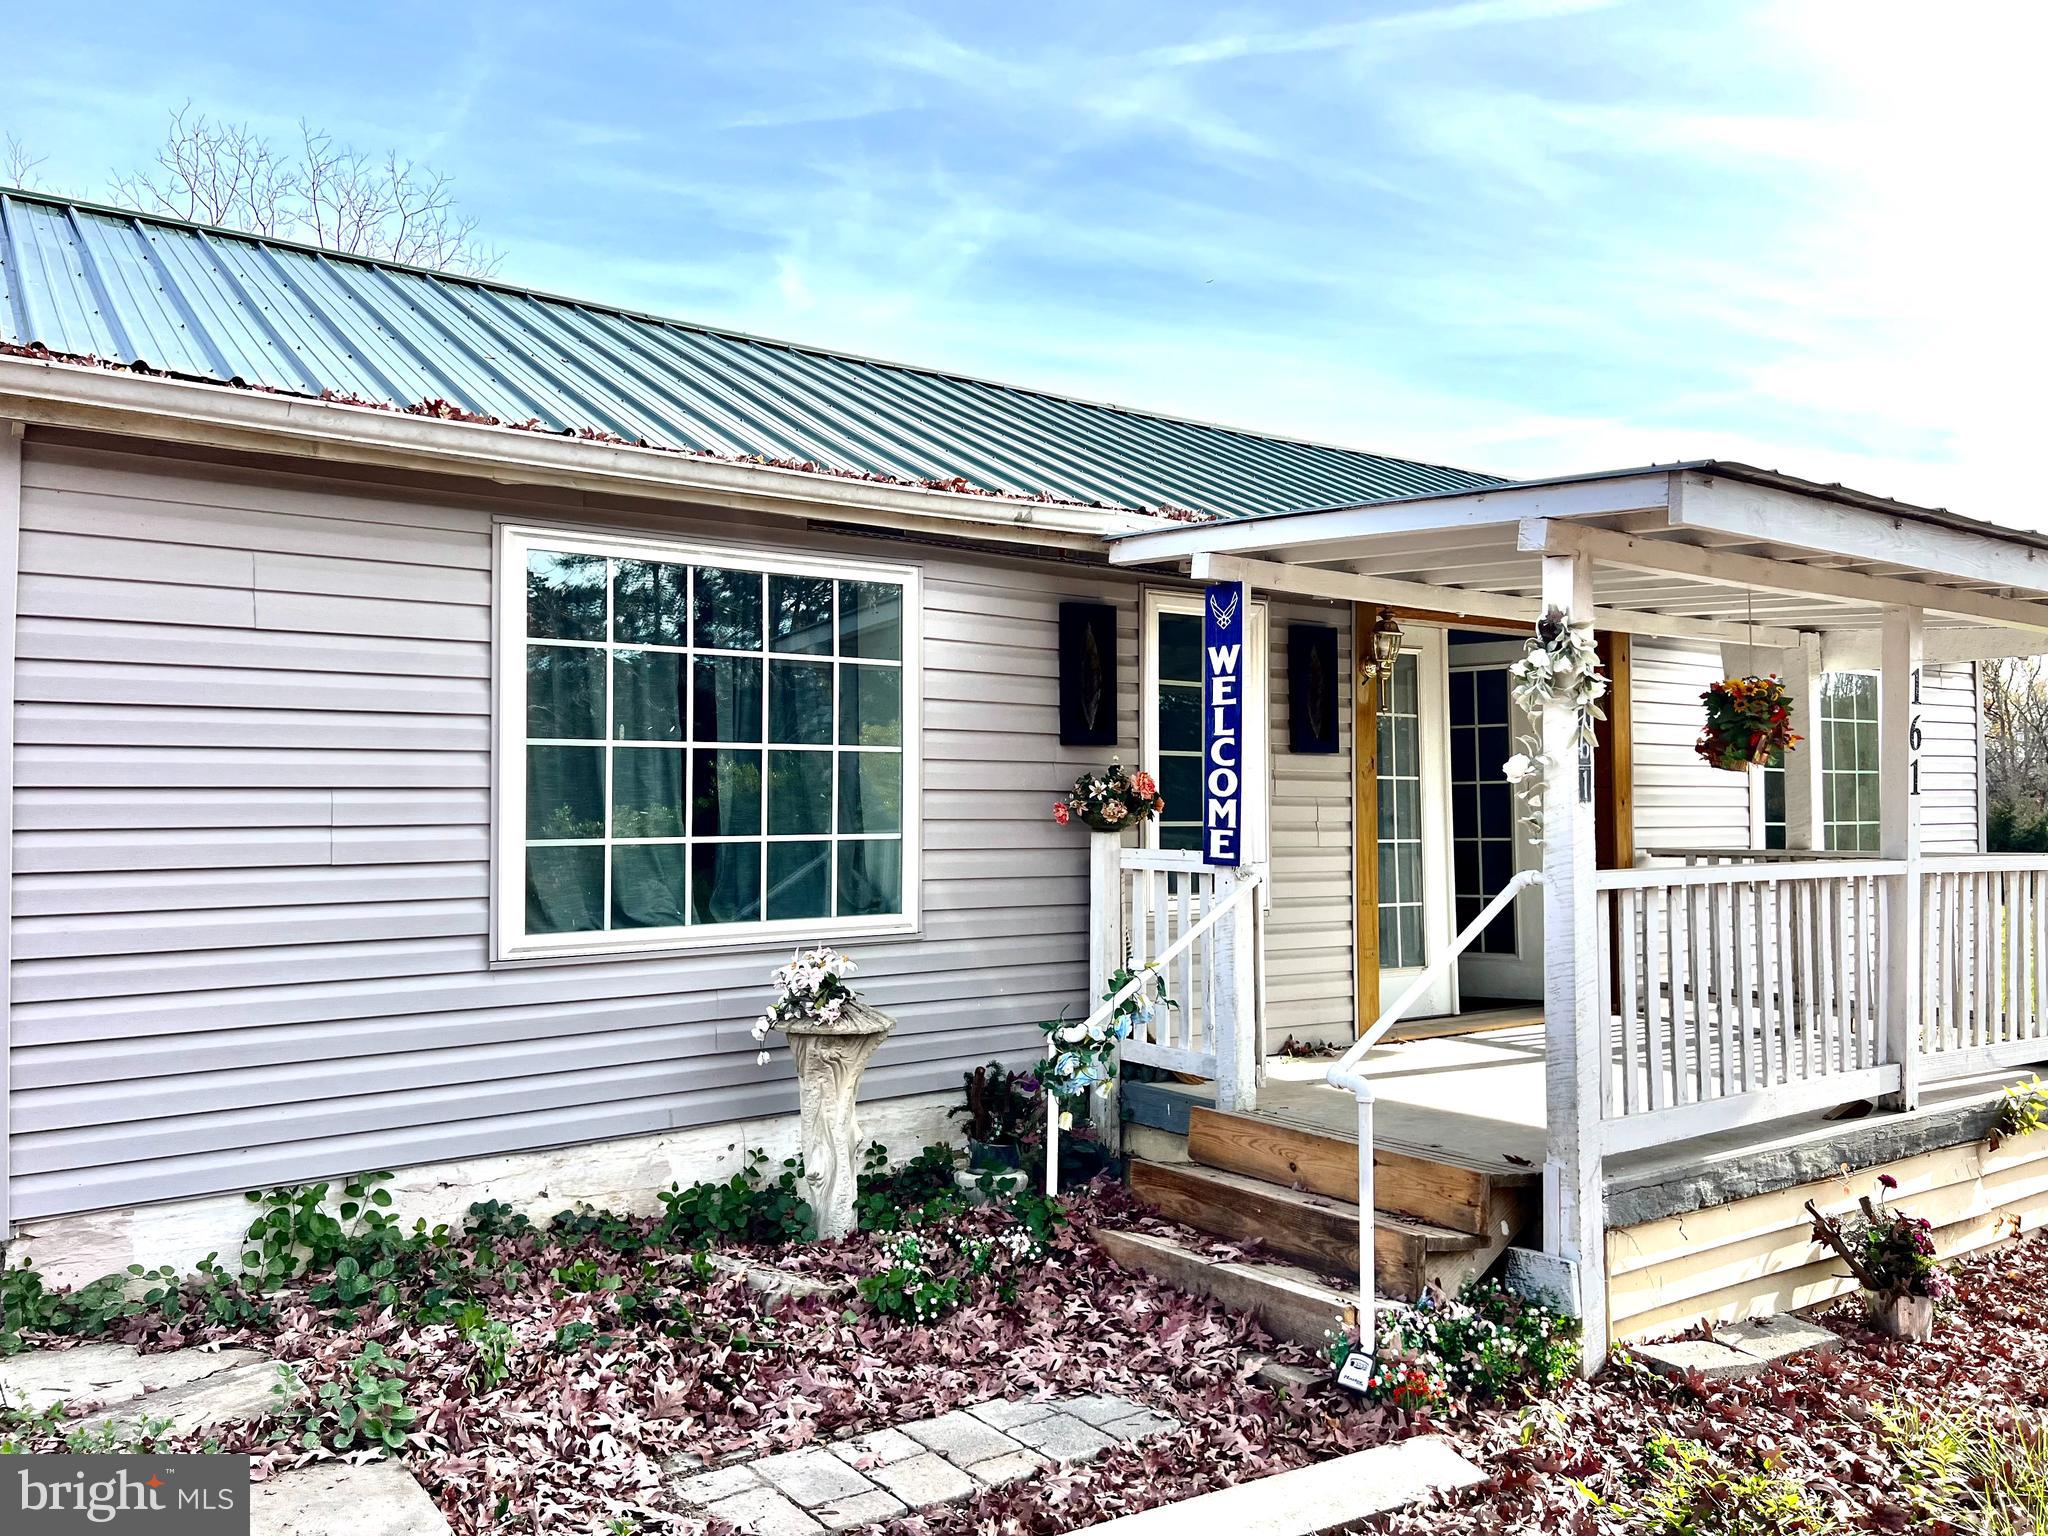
1707	550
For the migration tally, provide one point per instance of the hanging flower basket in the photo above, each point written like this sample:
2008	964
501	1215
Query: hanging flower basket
1748	720
1110	801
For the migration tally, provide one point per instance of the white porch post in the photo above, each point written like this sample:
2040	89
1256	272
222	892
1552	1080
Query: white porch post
1899	832
1804	827
1574	1034
1105	954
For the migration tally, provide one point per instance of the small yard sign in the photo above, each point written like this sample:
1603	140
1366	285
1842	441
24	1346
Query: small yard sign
1223	669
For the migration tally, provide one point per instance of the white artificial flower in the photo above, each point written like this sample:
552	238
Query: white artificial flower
761	1060
1518	767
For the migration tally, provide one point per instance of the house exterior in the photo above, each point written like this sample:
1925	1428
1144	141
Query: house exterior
438	706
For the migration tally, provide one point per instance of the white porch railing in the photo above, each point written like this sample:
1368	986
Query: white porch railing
1740	992
1984	967
1348	1073
1168	915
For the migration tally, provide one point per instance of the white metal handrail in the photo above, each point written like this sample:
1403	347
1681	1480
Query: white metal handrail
1152	967
1345	1074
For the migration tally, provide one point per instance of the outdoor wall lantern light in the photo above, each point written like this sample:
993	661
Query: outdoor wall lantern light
1386	643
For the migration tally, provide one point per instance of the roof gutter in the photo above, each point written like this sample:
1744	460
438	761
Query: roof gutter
55	394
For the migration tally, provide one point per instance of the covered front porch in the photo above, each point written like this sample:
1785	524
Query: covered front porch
1701	1001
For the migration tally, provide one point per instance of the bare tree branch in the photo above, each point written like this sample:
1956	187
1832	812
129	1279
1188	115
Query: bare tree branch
320	191
17	166
2016	744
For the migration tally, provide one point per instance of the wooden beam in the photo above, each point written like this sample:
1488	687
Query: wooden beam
1365	822
1721	568
1614	772
1457	603
1498	506
1856	650
1777	516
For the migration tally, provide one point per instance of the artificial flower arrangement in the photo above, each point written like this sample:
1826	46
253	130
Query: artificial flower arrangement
811	987
1111	801
1083	1052
1893	1258
1748	719
1559	661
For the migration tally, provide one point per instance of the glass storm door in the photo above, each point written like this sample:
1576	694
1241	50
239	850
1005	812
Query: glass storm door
1414	897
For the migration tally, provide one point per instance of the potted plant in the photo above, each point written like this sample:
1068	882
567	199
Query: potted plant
1892	1257
1110	801
831	1036
999	1111
1748	720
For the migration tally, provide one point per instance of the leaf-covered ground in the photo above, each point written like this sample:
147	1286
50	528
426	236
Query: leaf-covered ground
588	1423
1811	1420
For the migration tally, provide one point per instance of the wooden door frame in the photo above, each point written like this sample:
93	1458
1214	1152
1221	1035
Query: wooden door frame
1613	776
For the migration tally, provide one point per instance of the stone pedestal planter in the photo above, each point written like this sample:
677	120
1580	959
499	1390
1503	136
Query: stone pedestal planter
829	1061
1903	1317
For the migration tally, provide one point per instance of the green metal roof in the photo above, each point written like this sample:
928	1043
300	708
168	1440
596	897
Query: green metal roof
199	302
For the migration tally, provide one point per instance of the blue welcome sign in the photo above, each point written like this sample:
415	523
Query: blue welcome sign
1223	678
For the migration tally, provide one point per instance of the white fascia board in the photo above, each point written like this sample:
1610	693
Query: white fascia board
1723	568
221	416
1772	515
1462	602
1283	532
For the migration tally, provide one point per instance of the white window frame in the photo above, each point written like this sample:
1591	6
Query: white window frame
1830	770
509	940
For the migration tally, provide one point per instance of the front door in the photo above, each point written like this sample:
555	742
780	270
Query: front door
1413	852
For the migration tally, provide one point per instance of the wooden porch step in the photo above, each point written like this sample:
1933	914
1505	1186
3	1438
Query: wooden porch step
1311	1229
1457	1196
1289	1302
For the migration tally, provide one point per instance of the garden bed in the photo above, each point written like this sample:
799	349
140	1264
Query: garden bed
572	1378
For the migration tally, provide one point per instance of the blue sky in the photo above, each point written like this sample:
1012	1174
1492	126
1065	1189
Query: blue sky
1528	236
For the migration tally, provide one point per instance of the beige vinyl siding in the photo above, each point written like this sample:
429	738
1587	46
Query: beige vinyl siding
1951	818
1680	802
1309	955
253	770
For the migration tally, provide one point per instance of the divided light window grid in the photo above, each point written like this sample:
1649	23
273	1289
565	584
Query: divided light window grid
1850	814
1400	796
1482	803
712	748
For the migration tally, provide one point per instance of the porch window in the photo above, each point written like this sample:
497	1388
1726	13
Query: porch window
1850	816
701	746
1400	796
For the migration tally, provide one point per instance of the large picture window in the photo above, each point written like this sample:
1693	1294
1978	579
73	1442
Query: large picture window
702	746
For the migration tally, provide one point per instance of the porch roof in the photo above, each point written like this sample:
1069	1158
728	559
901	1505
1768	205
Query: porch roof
1700	550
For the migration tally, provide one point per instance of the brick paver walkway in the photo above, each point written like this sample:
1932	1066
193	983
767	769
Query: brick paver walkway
893	1471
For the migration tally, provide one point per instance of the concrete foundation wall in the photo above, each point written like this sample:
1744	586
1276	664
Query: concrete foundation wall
626	1175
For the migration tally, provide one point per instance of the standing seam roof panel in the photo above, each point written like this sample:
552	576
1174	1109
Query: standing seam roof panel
212	303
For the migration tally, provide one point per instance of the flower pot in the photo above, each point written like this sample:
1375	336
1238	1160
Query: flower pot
1081	1161
829	1061
993	1156
1903	1317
